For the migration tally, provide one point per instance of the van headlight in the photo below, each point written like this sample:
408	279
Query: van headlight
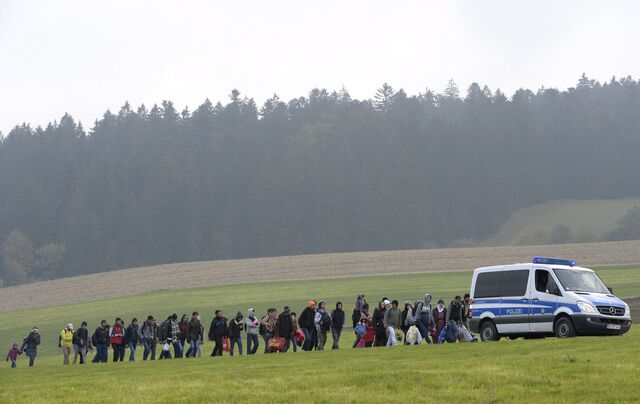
627	311
587	307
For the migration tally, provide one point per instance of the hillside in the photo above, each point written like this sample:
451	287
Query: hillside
588	220
198	274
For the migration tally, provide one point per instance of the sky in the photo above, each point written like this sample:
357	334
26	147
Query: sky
84	57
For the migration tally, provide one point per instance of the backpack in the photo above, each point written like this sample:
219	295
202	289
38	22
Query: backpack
94	339
325	322
163	331
355	317
360	330
452	333
76	338
262	329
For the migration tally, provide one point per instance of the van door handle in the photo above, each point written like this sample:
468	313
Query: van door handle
535	299
524	299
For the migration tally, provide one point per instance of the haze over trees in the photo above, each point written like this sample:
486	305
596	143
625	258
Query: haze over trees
322	173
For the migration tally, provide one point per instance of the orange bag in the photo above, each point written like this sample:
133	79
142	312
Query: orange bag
225	344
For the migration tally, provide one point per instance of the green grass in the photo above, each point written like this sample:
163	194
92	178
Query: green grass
589	219
582	369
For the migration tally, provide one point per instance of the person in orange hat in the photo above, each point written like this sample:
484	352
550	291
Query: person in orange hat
306	321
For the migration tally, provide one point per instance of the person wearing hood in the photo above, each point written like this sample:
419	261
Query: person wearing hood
378	322
65	341
236	326
360	301
306	321
285	329
30	345
322	321
217	331
424	317
392	320
337	322
194	335
406	319
440	316
252	326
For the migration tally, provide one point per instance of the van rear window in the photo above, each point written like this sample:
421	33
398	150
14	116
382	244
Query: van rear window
501	283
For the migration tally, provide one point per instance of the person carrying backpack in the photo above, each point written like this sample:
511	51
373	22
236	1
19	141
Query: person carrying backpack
100	340
322	322
81	343
236	326
194	335
306	321
116	337
424	317
217	331
337	322
149	335
392	318
65	341
164	337
173	335
252	326
285	329
132	338
440	317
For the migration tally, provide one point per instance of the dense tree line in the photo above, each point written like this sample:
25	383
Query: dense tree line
315	174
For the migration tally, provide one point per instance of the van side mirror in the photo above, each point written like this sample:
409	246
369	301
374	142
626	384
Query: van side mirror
610	290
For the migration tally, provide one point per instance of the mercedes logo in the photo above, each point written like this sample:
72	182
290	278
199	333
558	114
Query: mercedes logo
612	310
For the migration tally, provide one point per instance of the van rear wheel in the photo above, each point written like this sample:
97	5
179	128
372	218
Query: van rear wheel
489	332
564	328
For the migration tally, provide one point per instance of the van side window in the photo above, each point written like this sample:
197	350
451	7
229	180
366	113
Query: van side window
545	283
488	284
514	283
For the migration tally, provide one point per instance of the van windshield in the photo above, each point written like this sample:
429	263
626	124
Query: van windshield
574	280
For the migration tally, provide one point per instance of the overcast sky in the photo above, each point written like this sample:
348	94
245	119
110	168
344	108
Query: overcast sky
84	57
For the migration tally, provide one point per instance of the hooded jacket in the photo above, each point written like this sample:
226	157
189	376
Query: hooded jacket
252	324
148	330
31	342
236	326
66	338
218	327
423	311
337	317
392	317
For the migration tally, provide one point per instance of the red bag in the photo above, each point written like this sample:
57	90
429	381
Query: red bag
225	344
274	344
299	337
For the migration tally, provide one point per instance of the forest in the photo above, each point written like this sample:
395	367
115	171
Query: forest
321	173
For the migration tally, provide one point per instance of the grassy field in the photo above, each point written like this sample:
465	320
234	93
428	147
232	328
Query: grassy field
508	371
588	218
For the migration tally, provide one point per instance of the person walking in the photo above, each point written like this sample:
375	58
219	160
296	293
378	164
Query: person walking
337	322
13	355
268	323
407	319
201	343
30	345
65	341
236	326
100	340
378	322
392	319
454	317
132	338
182	325
440	317
116	337
174	336
424	317
357	310
294	321
81	344
164	338
217	331
284	328
194	334
323	324
252	327
307	324
466	310
149	335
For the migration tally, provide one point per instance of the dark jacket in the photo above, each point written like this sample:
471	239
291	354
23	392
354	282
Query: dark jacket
131	335
102	335
30	343
235	328
218	328
284	325
454	312
194	330
81	337
307	318
337	319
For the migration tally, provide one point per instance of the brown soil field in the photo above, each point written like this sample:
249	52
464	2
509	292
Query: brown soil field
176	276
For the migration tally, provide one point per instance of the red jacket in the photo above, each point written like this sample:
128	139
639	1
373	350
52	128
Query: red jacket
117	335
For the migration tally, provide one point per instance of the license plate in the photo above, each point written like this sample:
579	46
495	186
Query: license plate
613	326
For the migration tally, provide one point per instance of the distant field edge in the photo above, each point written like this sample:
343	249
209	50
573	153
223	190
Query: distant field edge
140	280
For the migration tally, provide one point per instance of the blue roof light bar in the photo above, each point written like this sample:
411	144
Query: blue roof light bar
553	261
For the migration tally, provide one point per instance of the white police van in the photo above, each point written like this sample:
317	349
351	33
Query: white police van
549	296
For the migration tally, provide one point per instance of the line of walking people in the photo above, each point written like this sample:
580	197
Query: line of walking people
386	325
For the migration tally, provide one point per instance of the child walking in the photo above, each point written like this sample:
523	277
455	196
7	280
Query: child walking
13	355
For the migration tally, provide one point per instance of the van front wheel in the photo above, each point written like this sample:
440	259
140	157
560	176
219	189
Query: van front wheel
564	328
489	332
